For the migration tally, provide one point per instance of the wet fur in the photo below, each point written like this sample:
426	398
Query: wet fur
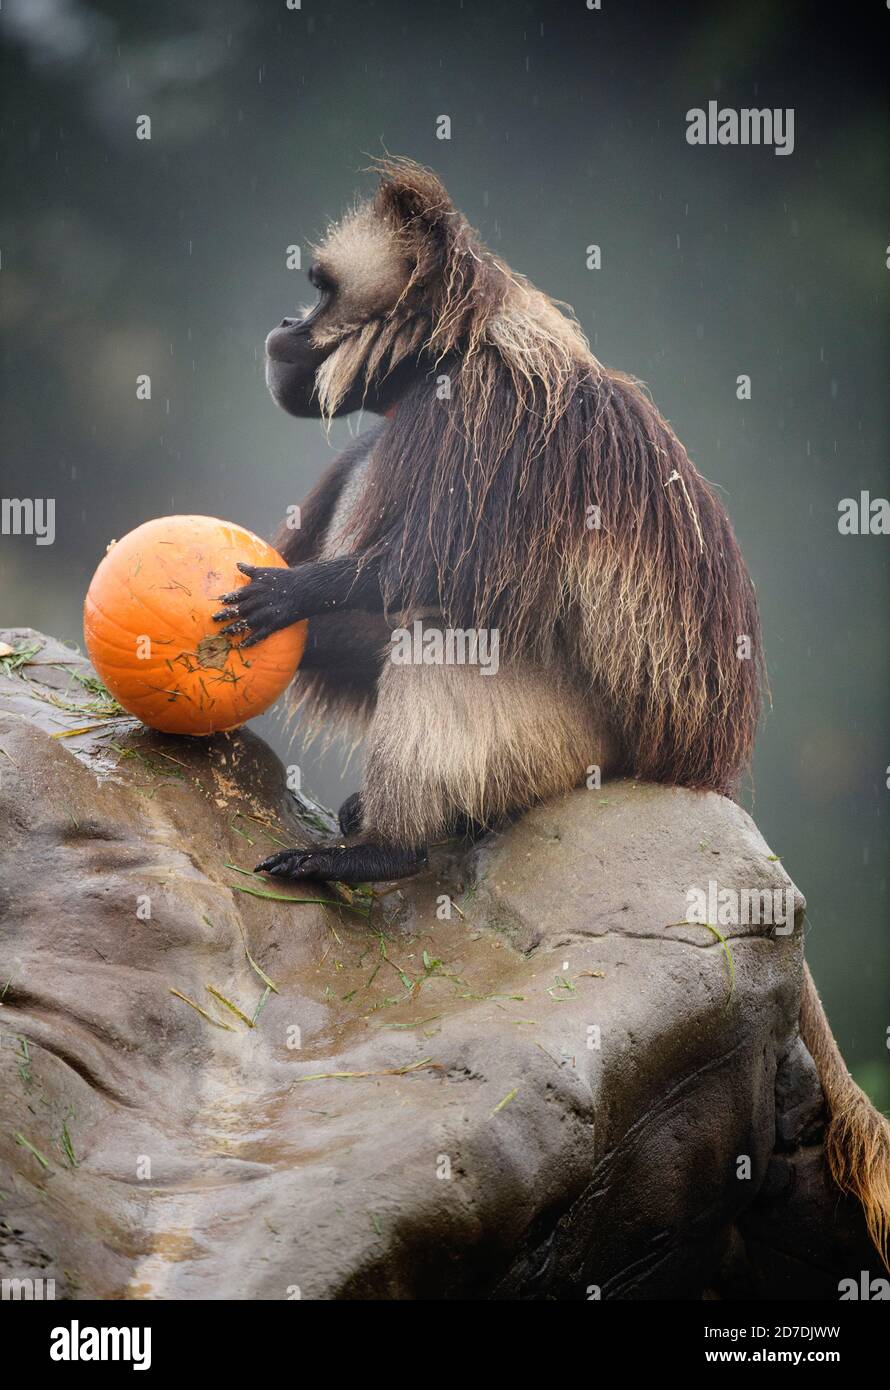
483	500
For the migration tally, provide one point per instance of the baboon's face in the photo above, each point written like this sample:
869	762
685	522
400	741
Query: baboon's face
360	272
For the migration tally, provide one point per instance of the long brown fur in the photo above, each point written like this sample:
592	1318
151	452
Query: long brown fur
547	498
654	606
857	1144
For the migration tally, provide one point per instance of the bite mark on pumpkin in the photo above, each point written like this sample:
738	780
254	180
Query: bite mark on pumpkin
213	651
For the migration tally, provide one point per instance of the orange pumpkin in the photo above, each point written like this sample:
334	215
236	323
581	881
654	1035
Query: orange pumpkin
149	629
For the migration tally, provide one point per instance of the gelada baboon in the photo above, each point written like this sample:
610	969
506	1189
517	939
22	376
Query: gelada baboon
514	486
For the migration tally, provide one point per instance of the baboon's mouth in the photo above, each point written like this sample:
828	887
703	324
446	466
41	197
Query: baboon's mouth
280	344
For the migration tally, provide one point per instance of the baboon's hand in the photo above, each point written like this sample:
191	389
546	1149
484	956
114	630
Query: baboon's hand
269	602
298	863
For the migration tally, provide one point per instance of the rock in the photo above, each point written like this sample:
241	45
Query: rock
520	1075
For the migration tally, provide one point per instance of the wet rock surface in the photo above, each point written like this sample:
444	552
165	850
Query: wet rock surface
520	1075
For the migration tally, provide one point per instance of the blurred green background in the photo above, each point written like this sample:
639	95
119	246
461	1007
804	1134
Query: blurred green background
167	257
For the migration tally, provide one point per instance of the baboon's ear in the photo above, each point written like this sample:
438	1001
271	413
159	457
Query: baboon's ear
411	197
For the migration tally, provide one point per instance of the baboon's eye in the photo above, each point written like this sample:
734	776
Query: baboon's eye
321	280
